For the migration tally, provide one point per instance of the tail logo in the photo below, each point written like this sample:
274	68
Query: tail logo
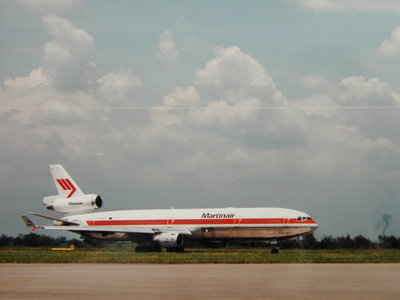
67	185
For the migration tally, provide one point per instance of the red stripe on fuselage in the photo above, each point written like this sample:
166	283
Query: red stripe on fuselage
265	221
244	221
126	222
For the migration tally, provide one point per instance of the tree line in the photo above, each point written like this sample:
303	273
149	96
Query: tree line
342	242
37	240
306	242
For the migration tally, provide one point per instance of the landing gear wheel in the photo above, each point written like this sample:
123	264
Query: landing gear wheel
274	250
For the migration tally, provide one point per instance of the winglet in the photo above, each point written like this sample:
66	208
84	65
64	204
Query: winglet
29	223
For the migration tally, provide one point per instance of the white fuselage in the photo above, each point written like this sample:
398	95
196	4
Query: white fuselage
205	223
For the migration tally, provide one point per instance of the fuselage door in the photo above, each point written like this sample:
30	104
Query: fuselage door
170	222
235	216
286	221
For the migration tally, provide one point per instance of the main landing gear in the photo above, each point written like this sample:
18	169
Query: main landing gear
275	247
274	250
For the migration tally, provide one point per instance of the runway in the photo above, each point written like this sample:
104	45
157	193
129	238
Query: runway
199	281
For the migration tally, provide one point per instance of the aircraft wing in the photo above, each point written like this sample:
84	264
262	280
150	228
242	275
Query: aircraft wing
100	229
116	229
109	229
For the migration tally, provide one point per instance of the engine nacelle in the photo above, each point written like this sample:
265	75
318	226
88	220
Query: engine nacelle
169	239
80	204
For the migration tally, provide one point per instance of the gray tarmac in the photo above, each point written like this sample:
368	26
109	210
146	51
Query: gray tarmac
200	281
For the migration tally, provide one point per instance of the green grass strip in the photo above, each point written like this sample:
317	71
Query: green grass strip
194	256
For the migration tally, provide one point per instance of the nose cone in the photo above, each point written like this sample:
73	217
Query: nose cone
313	224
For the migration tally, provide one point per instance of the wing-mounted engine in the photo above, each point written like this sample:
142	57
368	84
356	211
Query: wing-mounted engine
169	239
73	205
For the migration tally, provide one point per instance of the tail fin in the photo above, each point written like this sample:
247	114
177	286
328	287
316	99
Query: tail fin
70	199
66	186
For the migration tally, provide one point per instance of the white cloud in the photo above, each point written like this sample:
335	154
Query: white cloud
391	46
175	106
361	5
219	114
118	86
228	94
41	120
47	7
68	60
374	122
237	85
227	101
369	106
36	117
182	97
240	98
167	51
233	75
201	125
359	91
35	79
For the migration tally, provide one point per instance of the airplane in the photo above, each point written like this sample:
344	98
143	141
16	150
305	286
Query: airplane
155	229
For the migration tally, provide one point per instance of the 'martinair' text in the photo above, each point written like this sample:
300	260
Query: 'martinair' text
216	216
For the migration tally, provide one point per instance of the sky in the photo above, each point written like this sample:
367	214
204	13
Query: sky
191	104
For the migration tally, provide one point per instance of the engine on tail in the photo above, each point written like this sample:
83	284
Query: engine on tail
79	204
169	240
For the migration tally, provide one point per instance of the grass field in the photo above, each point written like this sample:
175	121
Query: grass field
117	255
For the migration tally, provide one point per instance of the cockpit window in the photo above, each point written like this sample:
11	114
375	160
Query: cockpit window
303	218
